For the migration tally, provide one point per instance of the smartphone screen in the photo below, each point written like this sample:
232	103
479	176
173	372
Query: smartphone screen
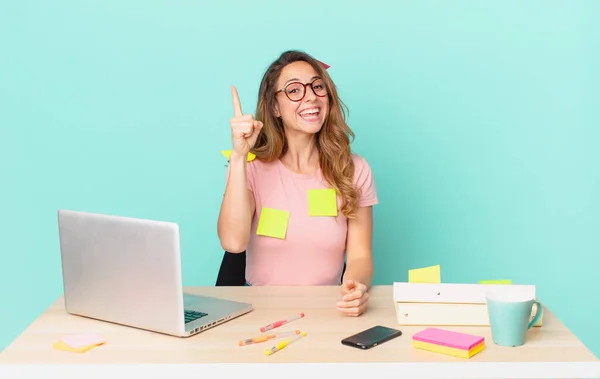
371	337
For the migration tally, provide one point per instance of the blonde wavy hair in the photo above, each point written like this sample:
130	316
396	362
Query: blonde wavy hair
332	141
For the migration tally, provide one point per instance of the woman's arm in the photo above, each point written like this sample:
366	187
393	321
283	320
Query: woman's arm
237	208
359	251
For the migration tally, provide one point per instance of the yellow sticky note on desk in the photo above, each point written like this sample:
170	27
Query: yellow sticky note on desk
322	202
273	223
429	274
79	343
59	345
227	154
502	281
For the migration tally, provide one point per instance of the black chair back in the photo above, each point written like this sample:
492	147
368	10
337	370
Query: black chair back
233	270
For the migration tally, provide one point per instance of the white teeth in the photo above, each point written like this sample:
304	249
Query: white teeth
310	111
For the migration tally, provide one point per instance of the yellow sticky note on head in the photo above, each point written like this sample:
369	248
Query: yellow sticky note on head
429	274
273	223
322	202
502	281
227	154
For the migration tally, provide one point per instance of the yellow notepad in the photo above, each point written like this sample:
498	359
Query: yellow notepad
449	350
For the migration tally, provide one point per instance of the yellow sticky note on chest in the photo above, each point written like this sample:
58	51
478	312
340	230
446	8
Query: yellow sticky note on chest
273	223
322	202
429	274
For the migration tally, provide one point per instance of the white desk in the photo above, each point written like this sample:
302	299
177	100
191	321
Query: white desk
552	351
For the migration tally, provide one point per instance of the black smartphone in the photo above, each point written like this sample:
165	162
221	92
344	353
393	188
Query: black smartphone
371	337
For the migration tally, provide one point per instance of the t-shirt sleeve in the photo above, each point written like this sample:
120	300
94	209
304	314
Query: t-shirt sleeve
250	174
363	177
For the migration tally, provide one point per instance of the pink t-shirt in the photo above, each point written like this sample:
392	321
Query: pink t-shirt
312	252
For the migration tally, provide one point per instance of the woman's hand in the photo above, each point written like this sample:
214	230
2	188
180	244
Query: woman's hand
244	128
354	298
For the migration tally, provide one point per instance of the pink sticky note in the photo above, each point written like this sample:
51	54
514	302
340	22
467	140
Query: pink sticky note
324	65
77	341
448	338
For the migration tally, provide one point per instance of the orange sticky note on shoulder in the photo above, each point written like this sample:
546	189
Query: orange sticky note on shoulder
227	154
429	274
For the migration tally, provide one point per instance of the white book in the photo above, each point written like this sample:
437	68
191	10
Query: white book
450	304
438	314
455	292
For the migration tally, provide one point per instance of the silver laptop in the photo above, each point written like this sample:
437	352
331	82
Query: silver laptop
128	271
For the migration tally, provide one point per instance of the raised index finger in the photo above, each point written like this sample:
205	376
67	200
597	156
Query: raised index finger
237	106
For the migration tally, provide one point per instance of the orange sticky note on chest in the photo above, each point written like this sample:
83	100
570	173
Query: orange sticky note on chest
273	223
322	202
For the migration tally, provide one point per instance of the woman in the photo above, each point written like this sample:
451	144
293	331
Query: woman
306	199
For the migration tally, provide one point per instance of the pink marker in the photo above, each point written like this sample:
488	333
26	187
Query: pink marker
277	324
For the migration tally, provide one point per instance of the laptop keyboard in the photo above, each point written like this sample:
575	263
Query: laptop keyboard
193	315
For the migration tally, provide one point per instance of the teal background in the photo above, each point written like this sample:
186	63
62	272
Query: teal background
480	121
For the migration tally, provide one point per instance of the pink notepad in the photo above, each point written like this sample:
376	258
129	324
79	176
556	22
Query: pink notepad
448	338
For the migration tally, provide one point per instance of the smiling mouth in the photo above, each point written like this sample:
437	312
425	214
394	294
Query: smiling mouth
311	114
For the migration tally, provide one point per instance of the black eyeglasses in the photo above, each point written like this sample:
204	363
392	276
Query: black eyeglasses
296	91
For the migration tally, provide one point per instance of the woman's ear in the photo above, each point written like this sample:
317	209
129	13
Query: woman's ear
276	110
